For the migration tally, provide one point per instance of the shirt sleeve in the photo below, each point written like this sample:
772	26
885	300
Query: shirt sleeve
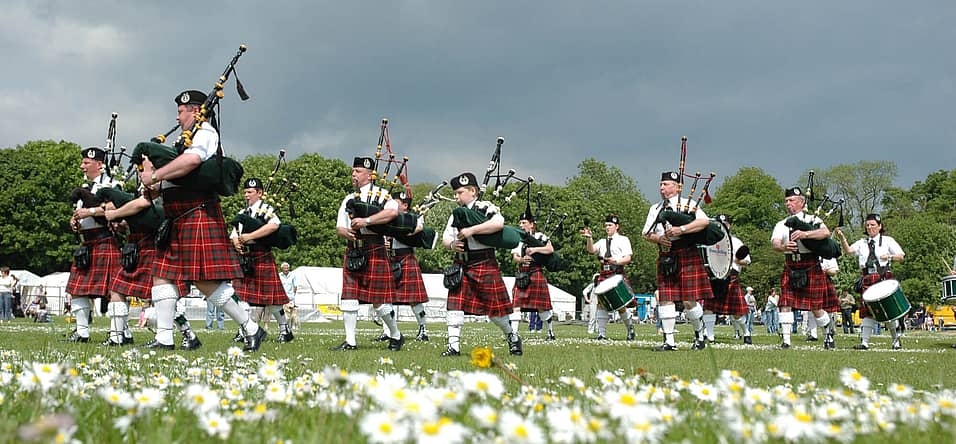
651	217
343	217
205	142
895	247
781	232
625	246
451	233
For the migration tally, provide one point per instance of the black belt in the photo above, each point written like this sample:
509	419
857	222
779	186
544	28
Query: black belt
362	242
615	268
95	234
797	257
179	193
402	252
258	247
471	257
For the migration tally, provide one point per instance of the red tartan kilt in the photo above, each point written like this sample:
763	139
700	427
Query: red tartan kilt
374	284
264	286
819	294
139	283
200	249
868	281
410	290
536	296
482	291
690	283
732	302
104	264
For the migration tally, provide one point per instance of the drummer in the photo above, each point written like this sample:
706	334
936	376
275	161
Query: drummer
728	299
876	253
614	253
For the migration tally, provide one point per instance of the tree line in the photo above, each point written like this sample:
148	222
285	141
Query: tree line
39	175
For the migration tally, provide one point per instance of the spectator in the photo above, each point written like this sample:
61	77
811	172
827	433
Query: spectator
771	320
847	307
7	283
930	322
214	315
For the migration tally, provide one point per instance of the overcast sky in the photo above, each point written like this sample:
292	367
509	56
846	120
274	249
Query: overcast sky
781	86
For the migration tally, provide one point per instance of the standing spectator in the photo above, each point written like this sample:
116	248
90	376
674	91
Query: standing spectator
214	315
847	307
770	312
591	299
7	283
751	308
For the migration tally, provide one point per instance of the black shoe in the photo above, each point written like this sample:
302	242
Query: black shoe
285	337
77	338
255	341
190	344
156	345
665	348
422	336
343	346
828	342
861	347
897	345
699	342
109	343
396	344
630	334
784	345
128	340
748	340
514	347
601	338
239	337
550	337
811	339
382	338
451	352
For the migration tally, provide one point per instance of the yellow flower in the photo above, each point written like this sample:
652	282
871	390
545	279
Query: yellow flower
482	357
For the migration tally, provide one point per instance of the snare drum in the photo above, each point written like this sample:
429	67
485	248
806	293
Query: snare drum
886	301
949	290
719	257
614	293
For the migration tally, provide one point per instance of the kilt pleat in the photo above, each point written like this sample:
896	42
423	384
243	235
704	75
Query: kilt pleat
537	296
482	290
690	283
104	264
731	302
868	281
372	285
819	293
200	249
410	290
139	283
264	286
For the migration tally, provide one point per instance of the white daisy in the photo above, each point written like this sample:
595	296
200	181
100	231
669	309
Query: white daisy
482	384
854	380
441	431
382	427
200	398
514	428
215	424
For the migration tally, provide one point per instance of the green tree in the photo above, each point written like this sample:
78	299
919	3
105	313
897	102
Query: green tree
862	185
38	178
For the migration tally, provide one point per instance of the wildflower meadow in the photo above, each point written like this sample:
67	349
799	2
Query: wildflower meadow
575	389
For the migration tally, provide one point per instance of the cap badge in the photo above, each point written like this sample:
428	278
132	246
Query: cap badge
673	175
91	154
184	98
367	163
463	179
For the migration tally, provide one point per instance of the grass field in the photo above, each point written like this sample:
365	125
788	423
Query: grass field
575	389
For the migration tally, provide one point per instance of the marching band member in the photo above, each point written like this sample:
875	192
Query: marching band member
830	268
689	283
614	253
260	285
479	289
804	285
199	249
90	276
875	252
531	291
366	276
409	285
728	298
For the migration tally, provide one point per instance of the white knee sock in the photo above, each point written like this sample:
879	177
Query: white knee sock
709	320
164	299
350	309
786	325
694	315
503	322
741	323
515	319
118	312
222	298
455	320
602	318
668	314
278	313
547	316
80	306
823	322
419	311
812	324
385	312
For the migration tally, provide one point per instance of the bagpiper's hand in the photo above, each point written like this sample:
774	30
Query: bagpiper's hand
458	246
586	232
839	232
673	232
464	233
664	241
798	235
791	247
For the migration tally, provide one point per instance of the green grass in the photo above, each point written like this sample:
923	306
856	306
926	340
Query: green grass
927	363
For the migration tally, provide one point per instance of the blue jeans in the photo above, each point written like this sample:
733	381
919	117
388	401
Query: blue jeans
771	320
750	319
214	314
6	306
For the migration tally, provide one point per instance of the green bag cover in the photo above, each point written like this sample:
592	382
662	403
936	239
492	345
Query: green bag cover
825	248
422	239
708	236
551	262
146	221
222	177
508	237
283	238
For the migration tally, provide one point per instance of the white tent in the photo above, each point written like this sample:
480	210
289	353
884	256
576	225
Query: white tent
320	288
55	286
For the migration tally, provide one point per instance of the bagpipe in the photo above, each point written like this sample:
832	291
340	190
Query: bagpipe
403	225
462	217
221	174
825	248
685	213
553	261
276	194
146	221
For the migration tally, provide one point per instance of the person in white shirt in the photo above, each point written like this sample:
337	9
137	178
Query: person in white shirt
876	253
614	252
